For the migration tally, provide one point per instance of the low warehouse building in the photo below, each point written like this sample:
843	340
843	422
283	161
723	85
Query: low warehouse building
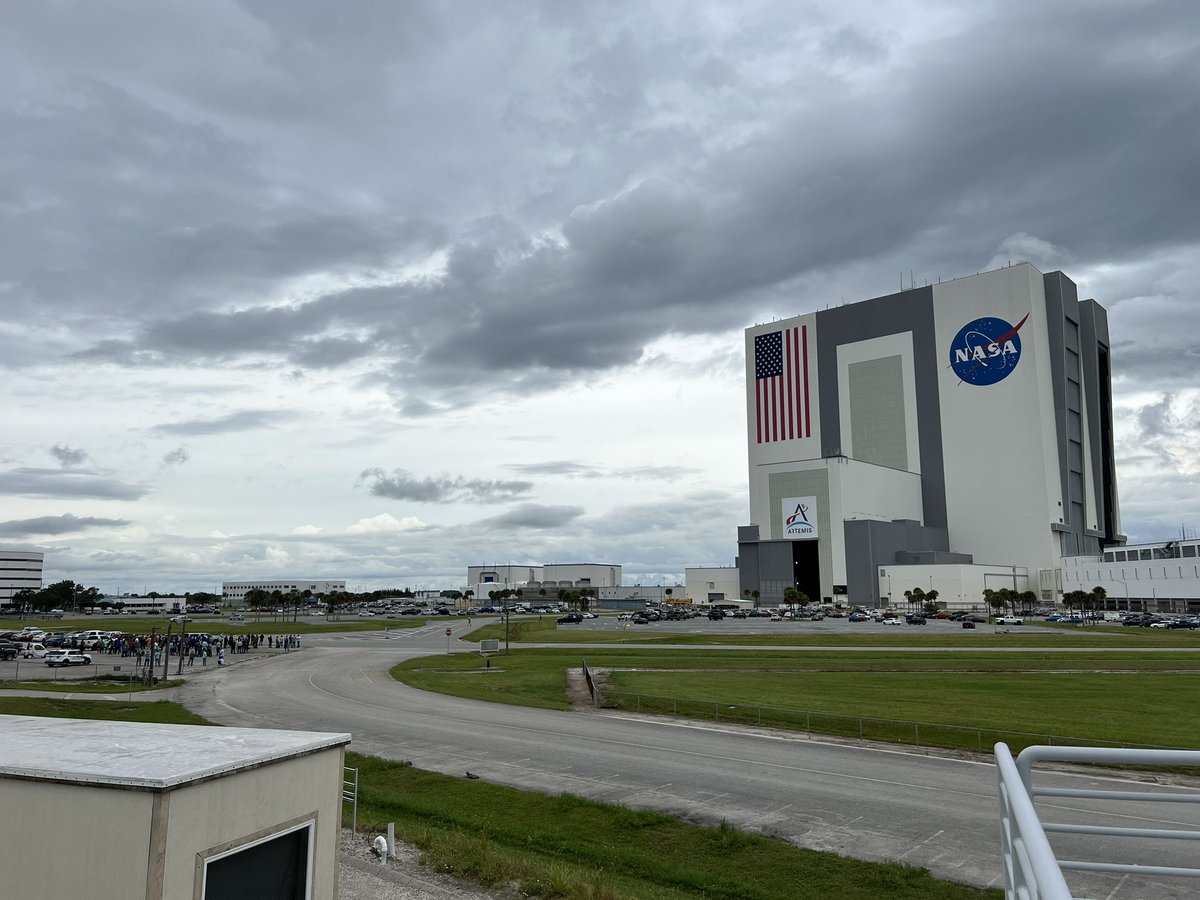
127	810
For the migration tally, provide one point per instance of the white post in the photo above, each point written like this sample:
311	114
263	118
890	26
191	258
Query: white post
392	838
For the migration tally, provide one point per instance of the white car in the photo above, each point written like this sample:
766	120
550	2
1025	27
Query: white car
366	614
893	621
34	651
67	658
1010	620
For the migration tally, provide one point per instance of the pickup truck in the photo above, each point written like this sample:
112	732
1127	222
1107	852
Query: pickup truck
9	650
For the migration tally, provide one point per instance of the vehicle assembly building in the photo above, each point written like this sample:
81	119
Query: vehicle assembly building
955	437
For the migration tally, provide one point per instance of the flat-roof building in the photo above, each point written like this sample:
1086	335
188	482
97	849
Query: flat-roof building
203	812
19	570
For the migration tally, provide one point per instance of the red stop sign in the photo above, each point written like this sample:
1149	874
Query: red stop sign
447	632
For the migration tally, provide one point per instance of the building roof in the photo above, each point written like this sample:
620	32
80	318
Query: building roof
143	756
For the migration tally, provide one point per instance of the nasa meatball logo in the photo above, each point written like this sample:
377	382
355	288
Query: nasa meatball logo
986	350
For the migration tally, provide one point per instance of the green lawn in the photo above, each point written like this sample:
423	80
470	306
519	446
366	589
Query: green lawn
565	846
163	711
103	685
1142	698
547	631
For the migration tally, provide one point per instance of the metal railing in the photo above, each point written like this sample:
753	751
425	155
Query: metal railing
896	731
1032	871
593	690
350	795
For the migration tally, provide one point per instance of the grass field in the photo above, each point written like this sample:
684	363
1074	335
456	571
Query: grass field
102	685
214	624
567	847
162	711
546	631
1141	698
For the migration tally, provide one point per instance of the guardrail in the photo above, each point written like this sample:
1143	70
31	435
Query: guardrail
896	731
350	795
1031	869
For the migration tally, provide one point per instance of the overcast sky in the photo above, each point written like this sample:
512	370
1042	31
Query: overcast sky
379	290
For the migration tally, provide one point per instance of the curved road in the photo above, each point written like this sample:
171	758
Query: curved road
863	801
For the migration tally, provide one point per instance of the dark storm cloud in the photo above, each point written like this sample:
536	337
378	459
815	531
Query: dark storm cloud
535	516
245	420
30	482
1038	120
68	456
402	485
55	525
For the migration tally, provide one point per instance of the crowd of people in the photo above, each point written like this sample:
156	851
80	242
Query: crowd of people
148	649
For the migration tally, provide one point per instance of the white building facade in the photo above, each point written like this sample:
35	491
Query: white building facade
19	570
1161	577
966	423
234	592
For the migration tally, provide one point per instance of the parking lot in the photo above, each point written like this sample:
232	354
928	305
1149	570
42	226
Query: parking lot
827	626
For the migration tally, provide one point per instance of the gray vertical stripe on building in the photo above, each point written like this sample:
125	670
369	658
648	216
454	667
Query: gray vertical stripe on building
894	314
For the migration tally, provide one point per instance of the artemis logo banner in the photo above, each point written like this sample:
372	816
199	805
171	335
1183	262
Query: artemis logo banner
799	518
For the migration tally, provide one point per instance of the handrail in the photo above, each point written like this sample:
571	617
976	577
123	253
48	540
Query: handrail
1031	869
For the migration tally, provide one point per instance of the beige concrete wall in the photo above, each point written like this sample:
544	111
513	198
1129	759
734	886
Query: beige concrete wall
66	840
106	843
229	809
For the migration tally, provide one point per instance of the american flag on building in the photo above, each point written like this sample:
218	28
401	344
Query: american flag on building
781	409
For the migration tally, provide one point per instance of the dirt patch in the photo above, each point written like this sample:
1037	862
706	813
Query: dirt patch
577	690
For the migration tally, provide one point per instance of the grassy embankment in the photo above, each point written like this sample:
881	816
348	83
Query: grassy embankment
565	846
105	684
1139	698
533	631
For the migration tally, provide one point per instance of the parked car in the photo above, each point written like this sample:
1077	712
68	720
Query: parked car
893	621
9	649
914	620
1010	620
716	615
569	619
967	623
640	620
34	651
68	658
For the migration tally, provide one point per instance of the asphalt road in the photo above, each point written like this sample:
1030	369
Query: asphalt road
865	801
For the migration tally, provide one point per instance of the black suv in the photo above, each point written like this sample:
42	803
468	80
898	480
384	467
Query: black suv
570	619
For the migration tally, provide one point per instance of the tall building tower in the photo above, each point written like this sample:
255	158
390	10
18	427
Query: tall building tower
960	433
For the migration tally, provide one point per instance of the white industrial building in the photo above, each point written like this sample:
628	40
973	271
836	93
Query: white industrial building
19	570
954	436
549	577
234	592
114	810
1161	577
713	584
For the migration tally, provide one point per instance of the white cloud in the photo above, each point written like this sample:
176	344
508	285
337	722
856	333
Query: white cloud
385	523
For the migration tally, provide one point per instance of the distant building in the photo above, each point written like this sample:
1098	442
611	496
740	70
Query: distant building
234	592
713	584
551	576
19	569
1159	577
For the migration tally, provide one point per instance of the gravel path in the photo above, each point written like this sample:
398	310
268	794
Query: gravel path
364	877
